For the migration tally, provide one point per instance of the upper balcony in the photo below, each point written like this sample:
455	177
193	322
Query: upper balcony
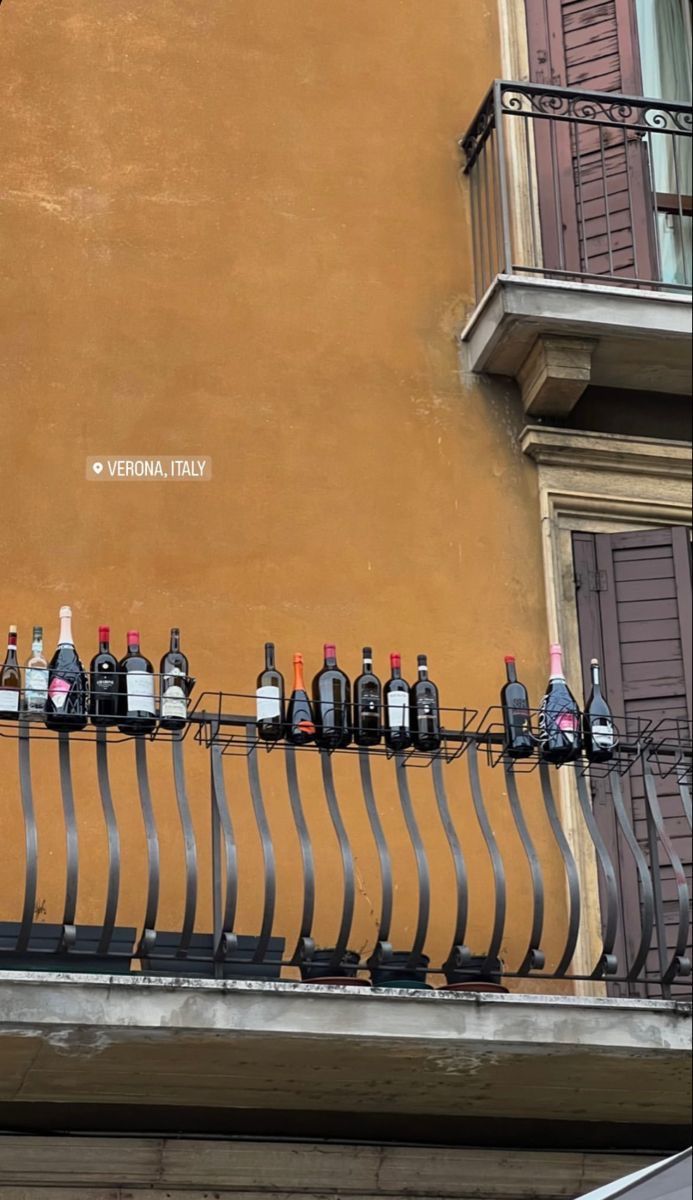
581	212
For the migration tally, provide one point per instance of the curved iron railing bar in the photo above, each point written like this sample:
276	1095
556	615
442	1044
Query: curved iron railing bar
458	861
382	848
685	794
148	938
678	963
494	855
422	869
304	943
607	964
534	958
189	848
113	841
347	857
229	864
571	871
647	906
71	843
30	839
268	855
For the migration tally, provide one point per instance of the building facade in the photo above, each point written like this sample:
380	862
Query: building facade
427	338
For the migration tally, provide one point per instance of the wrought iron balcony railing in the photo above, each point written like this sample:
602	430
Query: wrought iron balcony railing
587	186
458	866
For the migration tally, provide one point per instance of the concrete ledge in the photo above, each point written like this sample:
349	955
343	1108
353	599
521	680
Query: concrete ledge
628	327
143	1040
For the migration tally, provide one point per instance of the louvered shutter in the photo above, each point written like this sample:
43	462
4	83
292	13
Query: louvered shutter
593	181
634	612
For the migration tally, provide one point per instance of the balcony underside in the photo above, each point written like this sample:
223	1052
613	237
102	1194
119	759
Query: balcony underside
556	338
456	1063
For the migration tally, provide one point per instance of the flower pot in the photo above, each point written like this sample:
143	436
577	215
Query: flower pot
399	971
473	970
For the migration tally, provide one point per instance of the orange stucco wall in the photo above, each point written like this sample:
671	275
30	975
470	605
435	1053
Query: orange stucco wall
238	229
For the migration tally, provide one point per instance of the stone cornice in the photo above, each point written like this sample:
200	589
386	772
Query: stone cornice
607	452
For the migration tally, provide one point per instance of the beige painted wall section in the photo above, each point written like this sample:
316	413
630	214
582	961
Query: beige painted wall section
239	230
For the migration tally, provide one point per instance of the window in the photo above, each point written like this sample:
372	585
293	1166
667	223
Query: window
664	36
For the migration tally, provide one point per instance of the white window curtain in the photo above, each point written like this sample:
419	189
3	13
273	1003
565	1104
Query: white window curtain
664	30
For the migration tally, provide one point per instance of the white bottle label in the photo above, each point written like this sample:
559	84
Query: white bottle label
268	703
173	703
140	692
9	700
603	734
35	688
398	710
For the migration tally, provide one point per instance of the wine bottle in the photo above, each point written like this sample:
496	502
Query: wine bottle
66	702
35	677
396	704
10	679
103	682
559	716
175	685
598	723
424	705
517	720
269	699
300	726
367	703
137	702
331	703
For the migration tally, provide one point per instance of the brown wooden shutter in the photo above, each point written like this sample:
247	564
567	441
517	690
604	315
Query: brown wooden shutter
634	613
593	181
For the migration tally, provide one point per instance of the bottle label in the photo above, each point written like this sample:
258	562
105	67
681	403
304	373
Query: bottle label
568	725
603	734
9	700
268	703
398	710
35	688
140	692
58	691
173	703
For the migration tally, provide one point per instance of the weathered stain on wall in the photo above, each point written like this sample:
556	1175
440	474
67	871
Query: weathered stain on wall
239	230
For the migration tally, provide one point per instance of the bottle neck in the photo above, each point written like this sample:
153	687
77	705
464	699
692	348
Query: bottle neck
11	646
175	641
367	666
269	656
65	636
330	656
596	687
556	663
423	671
104	646
396	666
37	647
511	670
299	684
133	643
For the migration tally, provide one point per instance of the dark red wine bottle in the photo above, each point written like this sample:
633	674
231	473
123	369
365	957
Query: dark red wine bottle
269	699
367	703
331	703
103	681
396	706
517	720
597	722
174	685
66	703
425	712
559	716
300	726
137	696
